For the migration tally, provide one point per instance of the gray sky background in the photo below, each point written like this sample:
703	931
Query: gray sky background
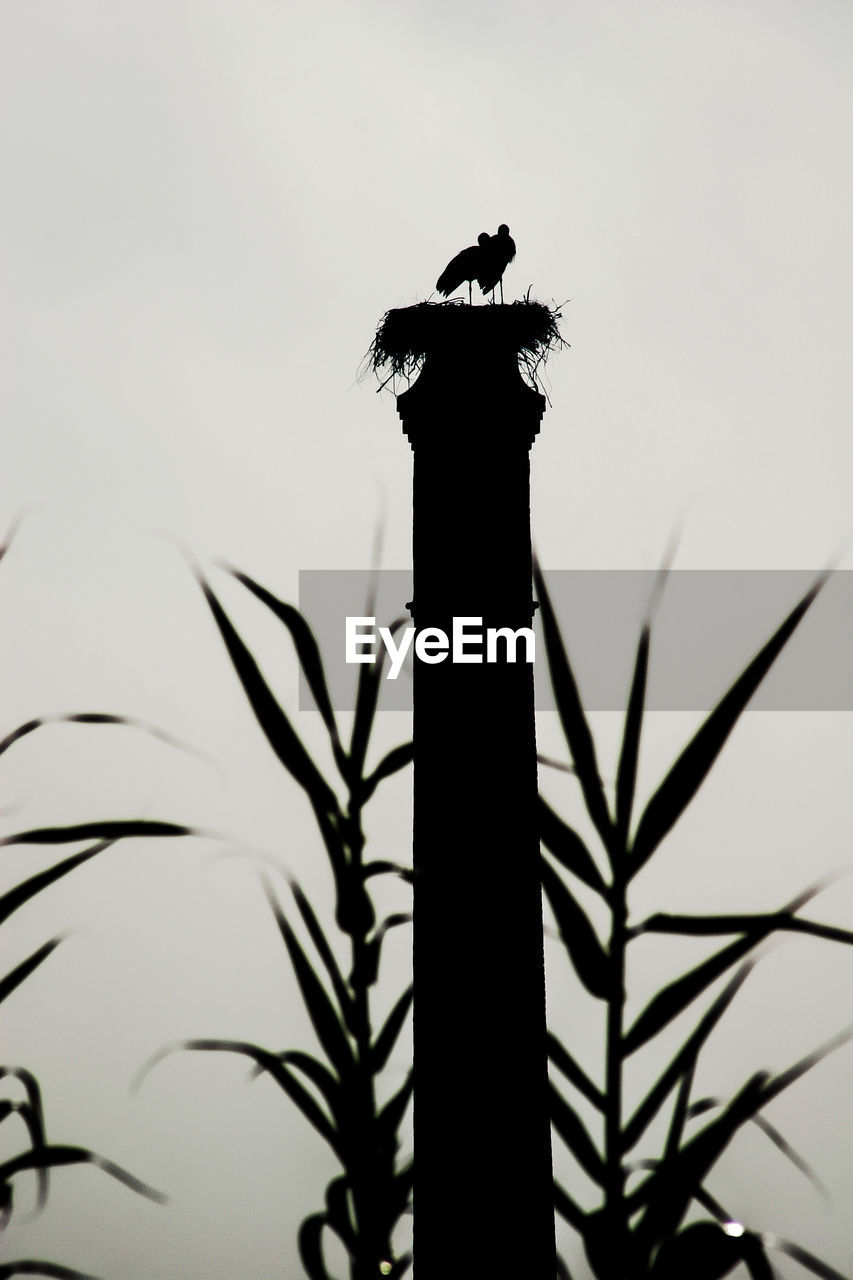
205	209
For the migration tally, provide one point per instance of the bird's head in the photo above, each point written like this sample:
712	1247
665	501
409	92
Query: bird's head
503	229
483	238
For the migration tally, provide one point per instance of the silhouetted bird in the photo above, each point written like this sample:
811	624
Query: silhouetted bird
499	253
467	265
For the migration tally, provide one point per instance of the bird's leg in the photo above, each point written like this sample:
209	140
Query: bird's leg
469	293
502	289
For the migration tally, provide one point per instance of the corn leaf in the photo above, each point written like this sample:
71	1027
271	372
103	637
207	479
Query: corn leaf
382	1047
111	829
275	724
319	1074
774	1085
51	1156
808	1260
307	651
392	763
562	1059
684	1062
341	989
54	1270
15	898
96	717
572	717
571	1129
321	1011
22	971
390	1117
272	1065
626	773
382	867
667	1193
763	923
569	849
778	1139
679	995
567	1209
366	702
693	765
590	960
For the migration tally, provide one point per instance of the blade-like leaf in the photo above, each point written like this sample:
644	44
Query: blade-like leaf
569	849
392	763
560	1056
51	1156
366	702
774	1085
26	967
567	1209
682	1065
390	1117
22	893
382	867
551	763
572	1131
763	923
693	765
383	1045
667	1193
96	717
586	953
315	932
305	644
790	1153
572	717
318	1073
778	1139
268	1062
53	1270
111	829
808	1260
626	773
679	995
275	724
321	1011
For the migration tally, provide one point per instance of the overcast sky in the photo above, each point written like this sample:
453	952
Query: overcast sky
205	209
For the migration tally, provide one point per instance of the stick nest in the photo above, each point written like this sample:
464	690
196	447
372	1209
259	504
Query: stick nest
408	335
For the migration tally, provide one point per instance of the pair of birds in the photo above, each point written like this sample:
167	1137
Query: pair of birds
484	262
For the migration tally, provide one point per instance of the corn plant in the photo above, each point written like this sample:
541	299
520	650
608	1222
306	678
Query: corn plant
639	1231
41	1156
338	1094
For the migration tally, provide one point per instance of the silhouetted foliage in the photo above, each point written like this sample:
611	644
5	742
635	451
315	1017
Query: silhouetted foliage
42	1156
337	1096
641	1234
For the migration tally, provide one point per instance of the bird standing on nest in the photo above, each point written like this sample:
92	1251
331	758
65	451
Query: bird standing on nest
467	265
498	254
